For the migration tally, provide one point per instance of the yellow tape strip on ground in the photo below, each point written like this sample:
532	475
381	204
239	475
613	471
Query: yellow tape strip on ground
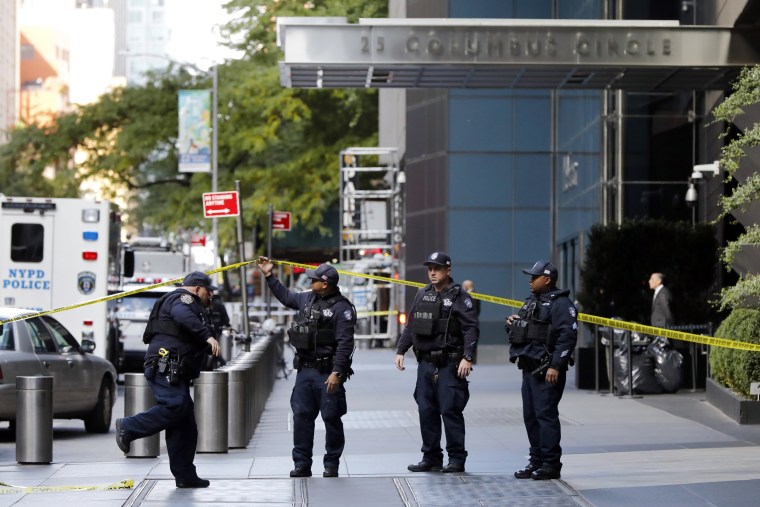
7	489
583	317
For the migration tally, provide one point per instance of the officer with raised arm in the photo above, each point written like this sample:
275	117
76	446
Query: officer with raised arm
323	336
443	329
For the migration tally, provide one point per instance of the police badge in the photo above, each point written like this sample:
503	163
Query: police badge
86	282
327	313
186	298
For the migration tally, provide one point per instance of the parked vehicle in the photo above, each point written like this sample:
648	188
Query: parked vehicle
84	385
57	252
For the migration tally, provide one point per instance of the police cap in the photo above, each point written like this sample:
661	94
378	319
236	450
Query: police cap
199	279
542	268
324	273
438	259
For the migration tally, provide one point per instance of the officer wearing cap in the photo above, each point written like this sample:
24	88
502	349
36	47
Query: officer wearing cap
323	336
178	331
443	331
542	336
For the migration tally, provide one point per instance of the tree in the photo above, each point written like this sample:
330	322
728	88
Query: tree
745	94
282	144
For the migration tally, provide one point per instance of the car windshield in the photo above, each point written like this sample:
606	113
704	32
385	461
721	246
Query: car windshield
136	304
6	336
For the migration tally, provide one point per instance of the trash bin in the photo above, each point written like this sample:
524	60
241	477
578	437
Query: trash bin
211	406
138	397
34	419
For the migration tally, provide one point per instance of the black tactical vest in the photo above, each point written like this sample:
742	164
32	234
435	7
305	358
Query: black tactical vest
156	326
433	317
311	328
530	327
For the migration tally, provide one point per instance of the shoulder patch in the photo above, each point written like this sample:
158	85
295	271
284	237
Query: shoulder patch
347	315
468	302
186	298
572	312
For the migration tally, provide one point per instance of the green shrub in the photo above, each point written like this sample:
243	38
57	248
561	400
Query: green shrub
736	369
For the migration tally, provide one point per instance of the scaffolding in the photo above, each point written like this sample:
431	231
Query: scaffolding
372	238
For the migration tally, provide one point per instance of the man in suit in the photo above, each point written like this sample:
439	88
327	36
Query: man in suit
661	316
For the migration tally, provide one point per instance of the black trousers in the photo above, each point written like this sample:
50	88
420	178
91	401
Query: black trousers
175	413
541	417
309	399
441	400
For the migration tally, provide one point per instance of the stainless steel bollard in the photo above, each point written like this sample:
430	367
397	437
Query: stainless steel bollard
225	341
237	430
211	406
138	397
34	419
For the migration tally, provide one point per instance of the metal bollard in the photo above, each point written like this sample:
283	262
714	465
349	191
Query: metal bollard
237	431
225	340
34	419
138	397
211	405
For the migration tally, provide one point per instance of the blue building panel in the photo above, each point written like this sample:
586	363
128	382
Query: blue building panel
480	123
480	181
480	236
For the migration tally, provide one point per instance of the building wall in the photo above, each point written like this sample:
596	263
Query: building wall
9	75
486	169
501	178
44	73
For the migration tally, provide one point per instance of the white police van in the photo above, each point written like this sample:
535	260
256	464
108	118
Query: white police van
54	253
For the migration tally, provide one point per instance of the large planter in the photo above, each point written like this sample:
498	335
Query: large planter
741	410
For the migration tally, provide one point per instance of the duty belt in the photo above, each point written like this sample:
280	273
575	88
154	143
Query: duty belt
320	363
439	356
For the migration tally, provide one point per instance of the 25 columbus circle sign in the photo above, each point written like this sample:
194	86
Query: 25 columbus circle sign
416	41
514	46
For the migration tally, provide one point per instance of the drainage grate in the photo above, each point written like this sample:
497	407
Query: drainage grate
485	491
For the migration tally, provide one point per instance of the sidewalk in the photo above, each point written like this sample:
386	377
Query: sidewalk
664	450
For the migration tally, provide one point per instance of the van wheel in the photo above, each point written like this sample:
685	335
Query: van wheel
99	420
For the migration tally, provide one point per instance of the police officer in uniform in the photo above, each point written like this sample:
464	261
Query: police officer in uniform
323	336
542	336
179	331
443	329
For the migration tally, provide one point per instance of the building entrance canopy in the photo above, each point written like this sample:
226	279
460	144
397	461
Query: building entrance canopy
512	53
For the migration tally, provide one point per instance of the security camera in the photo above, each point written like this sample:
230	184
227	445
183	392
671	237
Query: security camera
691	196
708	169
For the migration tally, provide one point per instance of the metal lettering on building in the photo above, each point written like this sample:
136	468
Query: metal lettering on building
503	46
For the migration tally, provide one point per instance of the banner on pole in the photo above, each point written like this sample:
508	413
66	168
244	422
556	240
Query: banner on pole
194	131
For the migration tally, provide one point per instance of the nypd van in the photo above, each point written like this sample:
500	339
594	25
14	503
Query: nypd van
54	253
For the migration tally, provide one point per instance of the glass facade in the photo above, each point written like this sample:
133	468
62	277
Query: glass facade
500	178
517	158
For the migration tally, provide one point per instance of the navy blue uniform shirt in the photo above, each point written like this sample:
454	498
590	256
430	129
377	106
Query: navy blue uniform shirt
462	309
193	321
341	315
556	308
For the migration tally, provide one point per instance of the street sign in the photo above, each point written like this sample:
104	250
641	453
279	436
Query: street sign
197	240
281	220
220	204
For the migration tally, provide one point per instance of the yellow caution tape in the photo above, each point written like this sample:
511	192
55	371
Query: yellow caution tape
7	489
591	319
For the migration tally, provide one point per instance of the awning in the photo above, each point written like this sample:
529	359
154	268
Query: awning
512	53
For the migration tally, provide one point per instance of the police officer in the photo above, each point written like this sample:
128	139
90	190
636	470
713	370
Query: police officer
323	336
542	336
178	331
443	329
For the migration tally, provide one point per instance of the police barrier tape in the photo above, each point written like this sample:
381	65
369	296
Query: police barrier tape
583	317
7	489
